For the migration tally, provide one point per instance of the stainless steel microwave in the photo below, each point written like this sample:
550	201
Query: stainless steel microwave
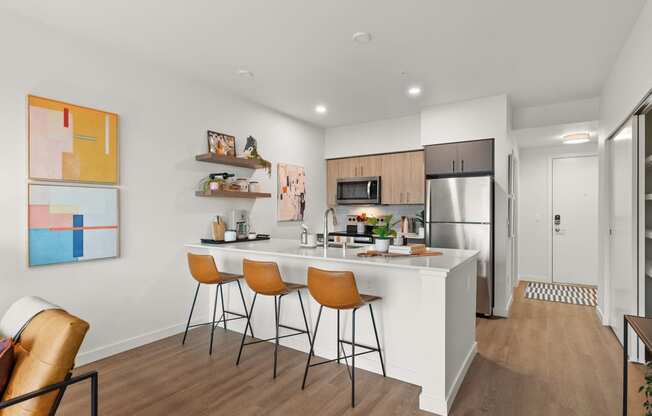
358	191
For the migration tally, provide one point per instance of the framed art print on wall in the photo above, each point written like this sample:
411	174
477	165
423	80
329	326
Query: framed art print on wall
71	143
291	192
69	224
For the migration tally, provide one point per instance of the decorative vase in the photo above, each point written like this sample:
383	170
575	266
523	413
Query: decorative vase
381	244
361	226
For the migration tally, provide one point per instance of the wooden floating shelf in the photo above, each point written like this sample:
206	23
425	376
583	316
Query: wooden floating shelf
233	194
229	160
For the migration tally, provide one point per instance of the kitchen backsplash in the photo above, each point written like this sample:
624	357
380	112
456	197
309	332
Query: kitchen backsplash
396	210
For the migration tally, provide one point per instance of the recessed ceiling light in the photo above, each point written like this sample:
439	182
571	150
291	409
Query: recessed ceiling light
245	73
576	141
320	109
576	138
362	37
414	91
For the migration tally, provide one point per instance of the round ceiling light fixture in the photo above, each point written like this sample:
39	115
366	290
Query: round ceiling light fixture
362	37
414	91
245	73
320	109
576	138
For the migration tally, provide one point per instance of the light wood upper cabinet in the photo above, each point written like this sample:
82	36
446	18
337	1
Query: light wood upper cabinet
359	166
332	173
402	178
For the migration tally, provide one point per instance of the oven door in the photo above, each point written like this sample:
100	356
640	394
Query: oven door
358	191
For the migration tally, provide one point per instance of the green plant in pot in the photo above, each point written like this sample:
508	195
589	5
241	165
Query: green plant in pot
383	231
646	388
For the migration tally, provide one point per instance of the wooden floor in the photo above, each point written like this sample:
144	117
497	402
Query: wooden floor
547	359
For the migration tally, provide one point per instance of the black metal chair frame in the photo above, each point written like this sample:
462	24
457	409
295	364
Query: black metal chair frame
340	344
278	325
61	386
219	290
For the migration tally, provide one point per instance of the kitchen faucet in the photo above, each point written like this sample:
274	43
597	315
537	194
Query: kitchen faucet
325	242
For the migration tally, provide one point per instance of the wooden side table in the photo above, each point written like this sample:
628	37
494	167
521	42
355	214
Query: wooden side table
643	328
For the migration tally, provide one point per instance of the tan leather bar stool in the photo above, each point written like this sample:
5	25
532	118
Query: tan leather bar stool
338	290
204	270
264	278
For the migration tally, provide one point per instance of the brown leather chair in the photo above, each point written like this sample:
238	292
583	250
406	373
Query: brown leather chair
338	290
45	355
204	270
264	278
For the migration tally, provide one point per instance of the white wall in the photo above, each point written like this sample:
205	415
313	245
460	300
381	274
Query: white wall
384	136
557	113
628	82
534	207
482	118
146	293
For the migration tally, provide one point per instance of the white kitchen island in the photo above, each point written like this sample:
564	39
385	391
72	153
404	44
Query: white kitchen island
426	318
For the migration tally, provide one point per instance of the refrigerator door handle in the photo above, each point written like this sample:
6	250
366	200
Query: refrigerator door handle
427	208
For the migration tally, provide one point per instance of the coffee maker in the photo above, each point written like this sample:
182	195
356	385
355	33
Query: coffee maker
240	223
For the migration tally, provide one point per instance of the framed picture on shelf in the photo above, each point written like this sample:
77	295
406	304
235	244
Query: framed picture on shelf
221	144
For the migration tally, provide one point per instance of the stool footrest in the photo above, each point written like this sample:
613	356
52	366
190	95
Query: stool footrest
343	341
344	356
298	332
239	316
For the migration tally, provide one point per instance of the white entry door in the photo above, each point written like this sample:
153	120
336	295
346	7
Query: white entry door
575	220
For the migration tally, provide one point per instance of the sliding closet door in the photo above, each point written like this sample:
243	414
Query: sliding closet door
623	247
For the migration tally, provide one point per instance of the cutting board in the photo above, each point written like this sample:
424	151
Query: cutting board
373	253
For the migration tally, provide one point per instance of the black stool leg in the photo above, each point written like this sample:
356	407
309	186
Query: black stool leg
223	308
244	304
353	359
305	320
373	321
338	336
312	348
192	308
244	333
210	349
277	318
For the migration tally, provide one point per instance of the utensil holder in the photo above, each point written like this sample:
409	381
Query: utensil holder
218	231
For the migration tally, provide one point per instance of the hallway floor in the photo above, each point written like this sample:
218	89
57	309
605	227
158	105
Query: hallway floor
547	359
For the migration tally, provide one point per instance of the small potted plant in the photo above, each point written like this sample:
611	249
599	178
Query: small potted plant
361	223
383	232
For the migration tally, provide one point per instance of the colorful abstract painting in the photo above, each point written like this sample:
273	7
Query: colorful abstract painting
71	143
72	223
291	192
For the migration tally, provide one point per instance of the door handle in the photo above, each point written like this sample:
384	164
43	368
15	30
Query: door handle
462	165
453	166
361	171
407	197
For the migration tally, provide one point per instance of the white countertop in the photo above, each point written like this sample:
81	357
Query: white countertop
450	259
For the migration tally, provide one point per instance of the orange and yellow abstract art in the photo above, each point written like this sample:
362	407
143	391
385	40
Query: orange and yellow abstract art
71	143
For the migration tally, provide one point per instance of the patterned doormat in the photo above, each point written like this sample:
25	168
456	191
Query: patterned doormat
553	292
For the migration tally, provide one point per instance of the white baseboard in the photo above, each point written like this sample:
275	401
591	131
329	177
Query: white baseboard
442	405
534	278
601	317
86	357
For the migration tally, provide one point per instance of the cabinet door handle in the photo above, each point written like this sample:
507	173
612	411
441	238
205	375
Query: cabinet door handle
407	197
462	165
356	171
453	166
361	171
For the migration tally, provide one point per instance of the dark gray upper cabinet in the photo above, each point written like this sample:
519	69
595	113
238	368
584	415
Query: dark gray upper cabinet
461	158
441	159
476	156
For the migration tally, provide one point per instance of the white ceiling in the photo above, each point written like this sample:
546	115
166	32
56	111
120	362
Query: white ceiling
301	52
552	135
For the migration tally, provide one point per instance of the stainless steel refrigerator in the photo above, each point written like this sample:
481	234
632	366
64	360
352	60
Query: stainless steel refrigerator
459	214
